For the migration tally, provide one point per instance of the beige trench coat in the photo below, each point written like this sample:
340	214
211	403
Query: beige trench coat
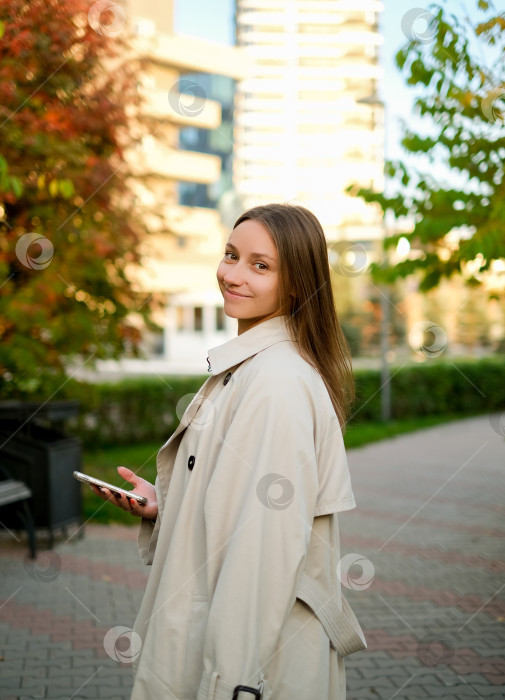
248	488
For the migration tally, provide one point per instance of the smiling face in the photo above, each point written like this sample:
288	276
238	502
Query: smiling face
248	275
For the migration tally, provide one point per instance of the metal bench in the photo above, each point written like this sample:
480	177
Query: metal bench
12	491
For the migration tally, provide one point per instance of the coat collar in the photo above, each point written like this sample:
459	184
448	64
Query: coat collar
247	344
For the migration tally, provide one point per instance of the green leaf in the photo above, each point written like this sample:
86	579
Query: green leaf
66	187
16	186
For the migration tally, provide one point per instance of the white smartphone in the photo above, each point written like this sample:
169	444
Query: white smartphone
115	489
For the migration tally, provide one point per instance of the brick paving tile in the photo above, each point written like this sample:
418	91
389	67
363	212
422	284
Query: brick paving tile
462	661
485	691
104	692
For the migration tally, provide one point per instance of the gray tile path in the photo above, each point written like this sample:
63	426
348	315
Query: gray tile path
423	566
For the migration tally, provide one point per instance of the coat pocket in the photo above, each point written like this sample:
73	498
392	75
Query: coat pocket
341	626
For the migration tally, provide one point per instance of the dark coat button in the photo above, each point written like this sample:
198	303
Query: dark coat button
227	378
191	462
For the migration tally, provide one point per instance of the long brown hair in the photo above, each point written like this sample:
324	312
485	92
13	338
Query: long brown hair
307	297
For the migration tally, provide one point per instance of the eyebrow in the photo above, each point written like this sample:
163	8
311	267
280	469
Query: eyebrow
253	255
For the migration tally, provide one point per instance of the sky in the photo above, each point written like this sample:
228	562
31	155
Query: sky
213	20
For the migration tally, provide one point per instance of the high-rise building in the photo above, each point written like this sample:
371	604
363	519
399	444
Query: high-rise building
301	132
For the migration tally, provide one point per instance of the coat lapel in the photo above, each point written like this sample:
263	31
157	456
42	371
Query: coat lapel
193	408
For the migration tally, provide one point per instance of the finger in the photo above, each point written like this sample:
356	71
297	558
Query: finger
128	475
133	506
106	494
97	490
128	504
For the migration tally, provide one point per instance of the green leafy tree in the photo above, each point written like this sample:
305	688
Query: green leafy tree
68	100
456	201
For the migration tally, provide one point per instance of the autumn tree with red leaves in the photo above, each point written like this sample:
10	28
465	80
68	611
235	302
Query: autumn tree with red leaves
68	231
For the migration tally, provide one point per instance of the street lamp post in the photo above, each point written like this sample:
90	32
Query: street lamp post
385	390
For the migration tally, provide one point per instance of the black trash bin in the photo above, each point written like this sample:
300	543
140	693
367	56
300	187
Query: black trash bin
37	452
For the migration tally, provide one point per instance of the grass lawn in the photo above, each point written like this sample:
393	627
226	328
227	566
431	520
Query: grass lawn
359	434
141	459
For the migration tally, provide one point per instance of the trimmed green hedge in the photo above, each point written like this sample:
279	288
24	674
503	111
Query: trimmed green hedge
132	410
144	410
434	389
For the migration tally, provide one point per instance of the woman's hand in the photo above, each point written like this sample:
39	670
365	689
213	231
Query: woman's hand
141	488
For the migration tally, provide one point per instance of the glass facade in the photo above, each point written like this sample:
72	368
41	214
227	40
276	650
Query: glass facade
217	142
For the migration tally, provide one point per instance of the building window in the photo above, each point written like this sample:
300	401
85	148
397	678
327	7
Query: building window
318	95
220	320
321	28
318	61
259	27
198	317
271	61
190	137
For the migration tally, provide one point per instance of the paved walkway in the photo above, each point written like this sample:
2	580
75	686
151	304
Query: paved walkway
423	562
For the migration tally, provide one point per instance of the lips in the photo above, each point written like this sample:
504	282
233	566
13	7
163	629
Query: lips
235	294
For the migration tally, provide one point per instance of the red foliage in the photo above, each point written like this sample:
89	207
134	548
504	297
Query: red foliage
64	94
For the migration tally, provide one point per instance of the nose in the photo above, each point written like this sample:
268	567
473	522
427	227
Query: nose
233	275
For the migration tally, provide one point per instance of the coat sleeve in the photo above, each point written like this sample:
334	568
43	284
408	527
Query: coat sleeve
149	531
259	510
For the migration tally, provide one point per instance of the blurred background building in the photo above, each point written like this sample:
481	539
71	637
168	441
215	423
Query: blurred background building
180	170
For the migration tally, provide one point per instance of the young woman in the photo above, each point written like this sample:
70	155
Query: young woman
243	599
